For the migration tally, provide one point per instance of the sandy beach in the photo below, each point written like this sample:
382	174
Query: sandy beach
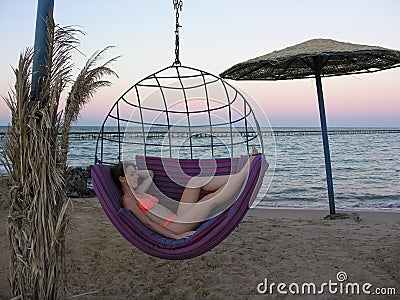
281	246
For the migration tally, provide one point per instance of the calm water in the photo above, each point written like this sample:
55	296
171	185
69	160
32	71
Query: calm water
365	167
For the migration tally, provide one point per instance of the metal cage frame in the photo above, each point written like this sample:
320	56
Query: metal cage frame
240	122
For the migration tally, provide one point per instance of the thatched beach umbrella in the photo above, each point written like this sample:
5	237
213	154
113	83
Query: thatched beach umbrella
316	58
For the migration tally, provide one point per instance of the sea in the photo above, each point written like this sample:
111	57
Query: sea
365	167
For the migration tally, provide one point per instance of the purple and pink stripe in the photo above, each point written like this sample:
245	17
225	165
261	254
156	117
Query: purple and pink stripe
170	176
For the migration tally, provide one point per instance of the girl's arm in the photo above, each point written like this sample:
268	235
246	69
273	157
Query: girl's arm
147	177
134	208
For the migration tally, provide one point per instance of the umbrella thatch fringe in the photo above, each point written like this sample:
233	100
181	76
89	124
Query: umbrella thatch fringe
38	216
296	61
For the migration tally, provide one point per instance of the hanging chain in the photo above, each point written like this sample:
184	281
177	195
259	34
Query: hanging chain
178	7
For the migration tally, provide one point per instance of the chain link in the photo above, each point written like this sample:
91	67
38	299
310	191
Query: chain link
178	7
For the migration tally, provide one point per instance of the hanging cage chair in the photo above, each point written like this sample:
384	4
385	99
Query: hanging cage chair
179	112
179	122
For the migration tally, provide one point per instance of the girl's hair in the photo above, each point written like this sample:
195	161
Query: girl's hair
119	170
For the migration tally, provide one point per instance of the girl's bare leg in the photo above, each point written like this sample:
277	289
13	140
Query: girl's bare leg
209	184
192	191
192	213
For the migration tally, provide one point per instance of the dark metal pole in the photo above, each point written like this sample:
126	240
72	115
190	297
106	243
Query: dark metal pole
328	169
44	9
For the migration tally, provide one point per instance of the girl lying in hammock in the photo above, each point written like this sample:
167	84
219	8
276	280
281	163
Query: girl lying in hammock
191	210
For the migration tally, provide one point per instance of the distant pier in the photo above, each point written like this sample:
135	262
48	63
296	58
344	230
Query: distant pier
92	135
182	134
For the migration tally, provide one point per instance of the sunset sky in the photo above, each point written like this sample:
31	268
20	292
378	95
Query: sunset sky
216	35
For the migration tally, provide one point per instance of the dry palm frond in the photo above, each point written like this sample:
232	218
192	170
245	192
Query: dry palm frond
36	222
37	219
86	84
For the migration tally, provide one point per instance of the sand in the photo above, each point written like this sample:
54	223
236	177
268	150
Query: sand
284	246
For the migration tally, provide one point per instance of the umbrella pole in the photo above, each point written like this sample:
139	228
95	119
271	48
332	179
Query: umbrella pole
325	141
44	10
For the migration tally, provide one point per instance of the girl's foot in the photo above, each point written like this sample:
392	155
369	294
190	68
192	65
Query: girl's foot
254	151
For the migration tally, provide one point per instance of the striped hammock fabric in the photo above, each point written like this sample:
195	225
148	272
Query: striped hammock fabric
210	233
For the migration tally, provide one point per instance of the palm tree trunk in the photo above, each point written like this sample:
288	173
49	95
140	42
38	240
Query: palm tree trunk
38	211
37	216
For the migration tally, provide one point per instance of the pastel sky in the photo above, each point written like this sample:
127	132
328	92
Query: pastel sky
217	34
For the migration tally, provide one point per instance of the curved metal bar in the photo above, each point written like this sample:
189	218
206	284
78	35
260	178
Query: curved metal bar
187	111
167	114
119	135
209	116
141	117
174	111
250	112
177	88
237	114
